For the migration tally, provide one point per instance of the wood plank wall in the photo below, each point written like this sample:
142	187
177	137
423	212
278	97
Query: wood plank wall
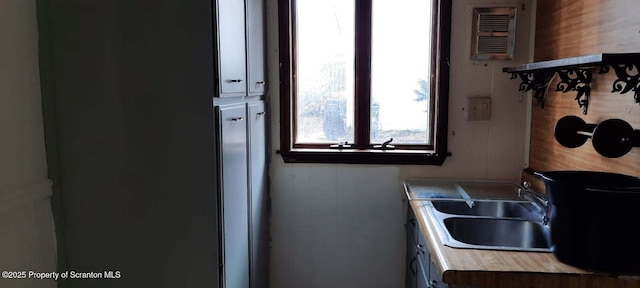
568	28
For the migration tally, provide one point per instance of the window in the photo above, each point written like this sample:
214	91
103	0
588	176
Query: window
357	73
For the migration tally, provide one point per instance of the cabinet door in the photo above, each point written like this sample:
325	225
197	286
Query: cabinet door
256	81
411	253
231	48
258	198
232	167
424	261
424	256
421	280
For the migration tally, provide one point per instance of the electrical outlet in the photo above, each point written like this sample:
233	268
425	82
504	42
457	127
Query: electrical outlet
478	108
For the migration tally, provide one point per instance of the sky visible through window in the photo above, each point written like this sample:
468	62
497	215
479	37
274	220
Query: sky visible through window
401	44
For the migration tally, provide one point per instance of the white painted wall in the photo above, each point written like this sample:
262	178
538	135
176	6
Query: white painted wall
342	225
26	223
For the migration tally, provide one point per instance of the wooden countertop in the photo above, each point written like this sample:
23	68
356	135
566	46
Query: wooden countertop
491	268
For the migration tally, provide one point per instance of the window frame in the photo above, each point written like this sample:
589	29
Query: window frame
360	153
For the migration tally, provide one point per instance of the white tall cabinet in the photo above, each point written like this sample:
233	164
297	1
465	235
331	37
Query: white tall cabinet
242	183
231	42
240	116
232	157
241	48
256	76
258	197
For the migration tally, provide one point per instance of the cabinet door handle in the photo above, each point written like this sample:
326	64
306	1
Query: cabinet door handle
420	248
260	83
261	113
237	119
236	80
413	271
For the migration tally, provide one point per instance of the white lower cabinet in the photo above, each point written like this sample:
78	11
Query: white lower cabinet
242	192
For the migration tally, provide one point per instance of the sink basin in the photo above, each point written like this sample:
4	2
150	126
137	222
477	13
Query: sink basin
499	209
501	234
494	225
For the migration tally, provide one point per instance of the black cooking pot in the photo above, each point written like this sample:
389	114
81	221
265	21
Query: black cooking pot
594	219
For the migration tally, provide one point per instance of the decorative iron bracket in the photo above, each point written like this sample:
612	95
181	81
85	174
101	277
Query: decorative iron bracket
576	74
626	80
578	80
537	81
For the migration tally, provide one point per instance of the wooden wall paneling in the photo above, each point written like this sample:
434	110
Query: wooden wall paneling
567	28
547	154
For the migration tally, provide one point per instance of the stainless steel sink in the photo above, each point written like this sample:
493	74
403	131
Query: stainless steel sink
498	209
495	225
499	233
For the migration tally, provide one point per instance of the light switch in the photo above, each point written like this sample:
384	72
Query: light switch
478	108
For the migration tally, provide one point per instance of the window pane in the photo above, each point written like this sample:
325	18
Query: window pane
400	72
324	70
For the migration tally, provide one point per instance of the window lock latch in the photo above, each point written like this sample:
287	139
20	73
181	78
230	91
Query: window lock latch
385	145
341	145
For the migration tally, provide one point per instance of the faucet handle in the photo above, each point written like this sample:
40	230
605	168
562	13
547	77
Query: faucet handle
533	194
538	198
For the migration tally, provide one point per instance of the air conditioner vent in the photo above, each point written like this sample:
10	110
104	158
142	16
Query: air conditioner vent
493	23
493	45
493	33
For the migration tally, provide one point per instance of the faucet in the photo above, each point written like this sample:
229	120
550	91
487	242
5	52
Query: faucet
537	197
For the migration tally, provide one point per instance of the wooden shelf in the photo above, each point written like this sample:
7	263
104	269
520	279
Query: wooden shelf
576	74
587	61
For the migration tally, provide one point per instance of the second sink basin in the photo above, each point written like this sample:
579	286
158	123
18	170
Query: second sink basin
516	234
